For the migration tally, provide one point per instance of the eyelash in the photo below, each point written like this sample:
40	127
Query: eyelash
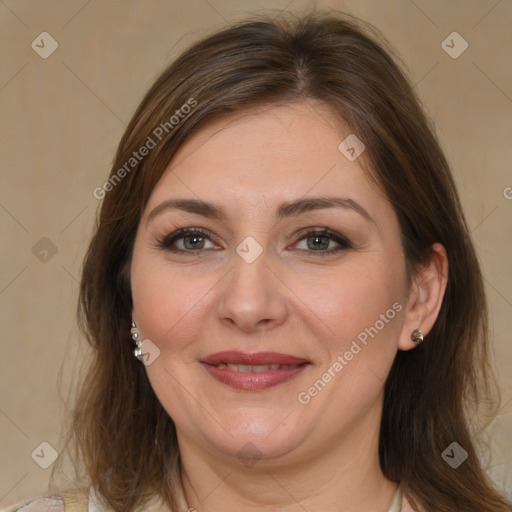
343	242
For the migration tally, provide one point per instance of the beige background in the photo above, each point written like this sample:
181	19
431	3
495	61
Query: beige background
61	119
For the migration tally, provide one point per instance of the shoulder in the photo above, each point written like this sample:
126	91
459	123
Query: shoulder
76	500
407	507
69	500
39	504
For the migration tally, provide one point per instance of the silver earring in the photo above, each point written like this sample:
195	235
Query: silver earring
137	352
417	336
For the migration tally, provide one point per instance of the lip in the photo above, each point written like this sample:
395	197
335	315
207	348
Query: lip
253	380
235	357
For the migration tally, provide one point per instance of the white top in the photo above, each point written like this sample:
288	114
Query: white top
55	504
396	503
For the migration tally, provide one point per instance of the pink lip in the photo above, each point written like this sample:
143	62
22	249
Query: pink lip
253	381
234	357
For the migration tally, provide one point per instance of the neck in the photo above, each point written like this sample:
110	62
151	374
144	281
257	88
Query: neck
345	477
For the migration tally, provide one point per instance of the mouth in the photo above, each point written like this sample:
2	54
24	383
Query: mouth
253	372
257	367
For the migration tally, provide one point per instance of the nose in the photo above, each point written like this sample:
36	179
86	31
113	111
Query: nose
252	297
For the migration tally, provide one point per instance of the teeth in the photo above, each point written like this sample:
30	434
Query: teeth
240	367
257	368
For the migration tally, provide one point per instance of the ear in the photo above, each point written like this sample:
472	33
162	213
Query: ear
426	296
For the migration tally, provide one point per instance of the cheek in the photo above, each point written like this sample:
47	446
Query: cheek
168	301
354	297
363	309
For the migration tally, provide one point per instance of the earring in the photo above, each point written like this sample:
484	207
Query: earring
417	336
137	352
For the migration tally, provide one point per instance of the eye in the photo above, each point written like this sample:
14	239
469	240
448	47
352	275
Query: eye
189	240
322	241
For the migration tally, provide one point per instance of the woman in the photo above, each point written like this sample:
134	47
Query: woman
281	238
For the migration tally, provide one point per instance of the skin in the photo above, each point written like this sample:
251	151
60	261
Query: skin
291	299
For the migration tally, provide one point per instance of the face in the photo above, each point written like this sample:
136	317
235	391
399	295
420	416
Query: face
269	278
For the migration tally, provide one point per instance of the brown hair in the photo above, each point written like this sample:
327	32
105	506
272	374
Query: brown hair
122	436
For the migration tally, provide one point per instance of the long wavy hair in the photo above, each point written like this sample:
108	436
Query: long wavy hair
122	440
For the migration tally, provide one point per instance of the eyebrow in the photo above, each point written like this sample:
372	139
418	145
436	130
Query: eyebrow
286	209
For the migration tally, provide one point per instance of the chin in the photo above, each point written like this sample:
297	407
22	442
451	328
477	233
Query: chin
252	435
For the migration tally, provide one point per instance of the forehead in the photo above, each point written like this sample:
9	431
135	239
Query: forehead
270	154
